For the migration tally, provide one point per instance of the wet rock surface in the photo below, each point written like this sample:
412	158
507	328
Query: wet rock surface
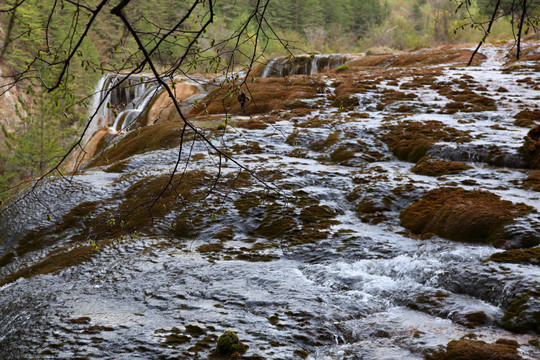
388	190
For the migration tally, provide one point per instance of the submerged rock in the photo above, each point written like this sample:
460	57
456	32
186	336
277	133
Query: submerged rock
458	214
523	313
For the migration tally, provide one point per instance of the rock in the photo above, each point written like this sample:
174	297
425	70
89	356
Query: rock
433	167
163	108
461	215
523	314
527	118
465	349
531	148
533	181
228	345
265	95
410	140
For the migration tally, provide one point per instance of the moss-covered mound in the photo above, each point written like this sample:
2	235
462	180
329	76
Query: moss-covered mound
523	314
149	138
533	181
531	148
229	346
465	349
458	214
433	167
410	140
527	118
518	256
260	96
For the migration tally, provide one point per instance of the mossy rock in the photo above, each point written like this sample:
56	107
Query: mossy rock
228	344
465	349
410	141
458	214
518	256
531	148
164	135
316	213
265	95
341	155
345	101
176	339
277	223
527	118
533	181
523	314
432	167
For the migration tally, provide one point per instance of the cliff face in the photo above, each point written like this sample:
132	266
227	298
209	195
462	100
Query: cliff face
10	94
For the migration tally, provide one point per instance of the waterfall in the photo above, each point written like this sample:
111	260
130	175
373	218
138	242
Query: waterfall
118	105
303	65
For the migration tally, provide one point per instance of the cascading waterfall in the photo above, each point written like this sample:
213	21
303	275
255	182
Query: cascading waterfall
117	104
303	65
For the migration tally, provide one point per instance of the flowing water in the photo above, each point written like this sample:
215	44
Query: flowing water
365	291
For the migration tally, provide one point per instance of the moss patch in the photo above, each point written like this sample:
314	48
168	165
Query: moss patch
533	181
164	135
228	344
466	349
518	256
531	148
458	214
265	95
433	167
527	118
523	314
411	140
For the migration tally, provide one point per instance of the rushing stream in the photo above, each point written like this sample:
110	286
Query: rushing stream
365	290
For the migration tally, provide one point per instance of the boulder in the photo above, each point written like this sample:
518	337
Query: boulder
462	215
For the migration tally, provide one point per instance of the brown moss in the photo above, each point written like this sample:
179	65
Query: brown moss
246	202
432	167
345	101
176	339
252	123
411	140
458	214
465	349
531	148
266	95
527	118
225	234
149	138
149	198
518	256
210	248
523	314
183	227
448	54
316	214
6	258
57	260
341	155
533	181
330	140
118	167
